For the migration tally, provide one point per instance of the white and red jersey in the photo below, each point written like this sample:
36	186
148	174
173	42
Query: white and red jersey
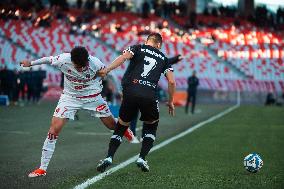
77	83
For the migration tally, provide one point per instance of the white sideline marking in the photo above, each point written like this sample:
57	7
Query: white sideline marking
93	133
96	178
16	132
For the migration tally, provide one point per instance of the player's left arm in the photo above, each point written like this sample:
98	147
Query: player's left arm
175	59
171	90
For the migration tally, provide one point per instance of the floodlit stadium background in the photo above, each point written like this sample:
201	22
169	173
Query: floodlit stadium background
236	48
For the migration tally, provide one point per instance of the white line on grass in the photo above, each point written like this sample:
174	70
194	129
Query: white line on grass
96	178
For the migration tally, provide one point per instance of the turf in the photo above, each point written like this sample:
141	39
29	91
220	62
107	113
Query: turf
212	156
23	130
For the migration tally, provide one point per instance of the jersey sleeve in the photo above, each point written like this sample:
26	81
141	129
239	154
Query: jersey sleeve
44	60
132	49
167	67
96	63
59	60
173	60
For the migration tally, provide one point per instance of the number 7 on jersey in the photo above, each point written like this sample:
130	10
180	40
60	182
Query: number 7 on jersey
150	64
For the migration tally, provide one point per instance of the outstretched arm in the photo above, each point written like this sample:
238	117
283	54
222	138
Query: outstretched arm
119	60
175	59
116	63
44	60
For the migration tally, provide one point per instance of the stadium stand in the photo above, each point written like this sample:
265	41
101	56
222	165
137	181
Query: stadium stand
9	53
256	52
196	57
52	40
118	30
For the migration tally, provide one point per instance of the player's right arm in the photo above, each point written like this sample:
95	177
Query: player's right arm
116	63
126	55
44	60
52	60
119	61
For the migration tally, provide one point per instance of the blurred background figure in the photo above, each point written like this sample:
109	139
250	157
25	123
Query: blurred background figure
145	9
22	86
192	83
39	77
270	99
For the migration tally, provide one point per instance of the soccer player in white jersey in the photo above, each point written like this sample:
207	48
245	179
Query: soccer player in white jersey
82	88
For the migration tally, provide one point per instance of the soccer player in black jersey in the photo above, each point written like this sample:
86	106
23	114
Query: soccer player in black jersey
139	85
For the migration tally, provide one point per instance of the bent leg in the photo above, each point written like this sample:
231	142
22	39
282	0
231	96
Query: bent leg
50	141
109	122
57	125
66	108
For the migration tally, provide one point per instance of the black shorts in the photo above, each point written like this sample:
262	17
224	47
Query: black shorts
130	106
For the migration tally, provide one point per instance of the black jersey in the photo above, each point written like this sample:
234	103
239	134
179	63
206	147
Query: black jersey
192	82
144	71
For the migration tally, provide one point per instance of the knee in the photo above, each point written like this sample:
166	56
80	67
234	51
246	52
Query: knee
56	126
57	122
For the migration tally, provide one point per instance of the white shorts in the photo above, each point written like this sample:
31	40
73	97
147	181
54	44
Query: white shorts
68	106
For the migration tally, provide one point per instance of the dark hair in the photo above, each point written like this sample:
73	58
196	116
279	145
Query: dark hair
155	37
79	56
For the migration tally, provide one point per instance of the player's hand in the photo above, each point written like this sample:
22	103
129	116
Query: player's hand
103	72
180	57
25	63
171	108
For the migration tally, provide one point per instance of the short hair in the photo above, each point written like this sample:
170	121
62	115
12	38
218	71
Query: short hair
79	56
155	37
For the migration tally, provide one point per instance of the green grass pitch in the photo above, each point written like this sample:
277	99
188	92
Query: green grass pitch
210	157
